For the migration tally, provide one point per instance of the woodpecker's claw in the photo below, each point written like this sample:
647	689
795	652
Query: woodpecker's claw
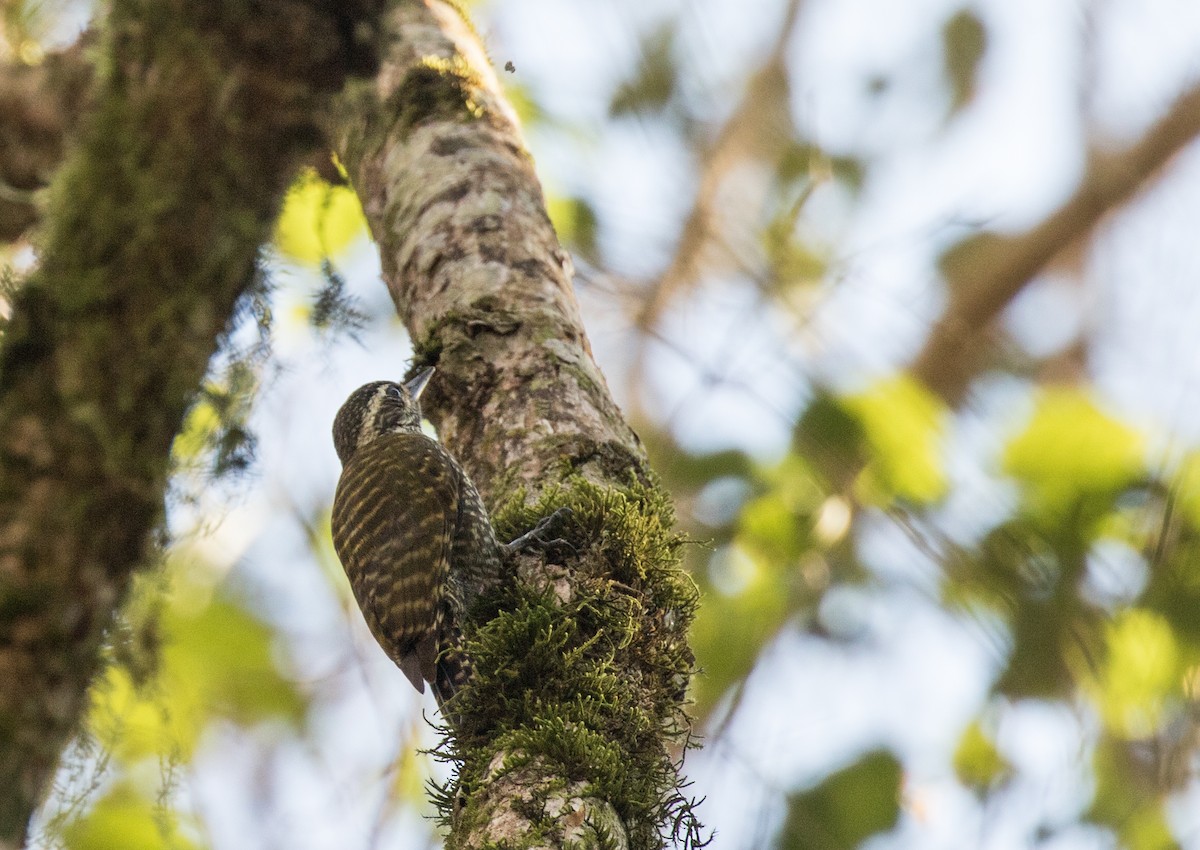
555	549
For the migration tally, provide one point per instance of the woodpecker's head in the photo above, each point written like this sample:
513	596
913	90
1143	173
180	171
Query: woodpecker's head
378	408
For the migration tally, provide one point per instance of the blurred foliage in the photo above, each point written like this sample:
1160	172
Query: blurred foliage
1143	670
318	221
125	817
1070	453
215	662
1129	797
847	808
978	763
785	534
654	80
25	25
964	43
216	435
903	423
334	310
575	223
184	656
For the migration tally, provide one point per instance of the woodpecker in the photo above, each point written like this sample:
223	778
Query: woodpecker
411	532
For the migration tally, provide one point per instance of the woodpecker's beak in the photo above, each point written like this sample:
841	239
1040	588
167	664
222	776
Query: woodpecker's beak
416	384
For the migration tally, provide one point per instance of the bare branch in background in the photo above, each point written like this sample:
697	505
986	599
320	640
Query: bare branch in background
760	128
984	274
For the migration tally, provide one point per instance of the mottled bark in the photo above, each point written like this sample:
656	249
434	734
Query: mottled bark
153	227
474	266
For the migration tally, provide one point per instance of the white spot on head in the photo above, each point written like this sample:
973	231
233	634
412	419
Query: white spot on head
366	430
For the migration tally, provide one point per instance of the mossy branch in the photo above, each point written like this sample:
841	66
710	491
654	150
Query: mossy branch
567	738
581	677
152	232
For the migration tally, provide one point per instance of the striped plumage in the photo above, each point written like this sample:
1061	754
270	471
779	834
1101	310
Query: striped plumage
411	532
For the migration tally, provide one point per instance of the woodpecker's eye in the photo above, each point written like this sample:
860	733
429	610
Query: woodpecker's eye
395	392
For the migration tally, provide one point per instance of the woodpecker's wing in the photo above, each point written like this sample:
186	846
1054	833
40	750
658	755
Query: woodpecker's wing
393	516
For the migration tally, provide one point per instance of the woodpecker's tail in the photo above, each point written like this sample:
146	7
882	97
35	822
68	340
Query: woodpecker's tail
454	670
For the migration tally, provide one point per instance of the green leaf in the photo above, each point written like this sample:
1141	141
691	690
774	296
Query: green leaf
964	42
1143	669
794	262
732	627
1128	797
903	423
847	808
1071	449
831	439
1046	638
576	223
126	819
195	437
319	220
977	762
654	80
410	775
1185	489
225	654
216	662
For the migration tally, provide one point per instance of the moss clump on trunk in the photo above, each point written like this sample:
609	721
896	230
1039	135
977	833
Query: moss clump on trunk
581	672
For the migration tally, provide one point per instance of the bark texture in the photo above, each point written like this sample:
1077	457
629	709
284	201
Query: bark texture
582	666
39	107
153	227
474	266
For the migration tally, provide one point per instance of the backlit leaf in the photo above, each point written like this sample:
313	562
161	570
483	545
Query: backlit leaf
128	820
903	423
1070	449
977	762
319	220
847	808
216	662
1142	670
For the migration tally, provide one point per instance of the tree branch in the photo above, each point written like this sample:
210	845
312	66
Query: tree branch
474	266
581	668
761	128
39	107
984	274
152	235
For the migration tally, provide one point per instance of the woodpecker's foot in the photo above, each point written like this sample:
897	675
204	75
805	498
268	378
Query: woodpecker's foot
541	538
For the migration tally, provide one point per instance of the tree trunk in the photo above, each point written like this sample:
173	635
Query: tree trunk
582	666
151	239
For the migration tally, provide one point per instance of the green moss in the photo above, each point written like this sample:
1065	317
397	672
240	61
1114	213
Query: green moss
590	686
436	89
198	115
